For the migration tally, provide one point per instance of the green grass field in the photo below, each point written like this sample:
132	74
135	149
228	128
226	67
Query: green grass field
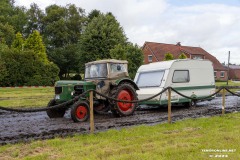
230	83
25	97
183	140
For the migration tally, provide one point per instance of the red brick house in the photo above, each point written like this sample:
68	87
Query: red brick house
234	72
154	52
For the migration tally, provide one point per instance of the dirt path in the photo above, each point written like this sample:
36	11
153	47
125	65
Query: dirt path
17	127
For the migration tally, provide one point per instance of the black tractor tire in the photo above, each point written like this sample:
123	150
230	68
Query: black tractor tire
54	113
123	91
80	111
101	108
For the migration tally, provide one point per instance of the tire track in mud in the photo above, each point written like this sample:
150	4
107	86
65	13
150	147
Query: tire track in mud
25	127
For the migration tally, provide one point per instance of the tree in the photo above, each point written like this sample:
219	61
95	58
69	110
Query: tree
67	59
35	20
119	52
101	35
6	33
24	69
168	56
62	28
62	25
34	42
182	56
94	13
3	71
11	15
18	42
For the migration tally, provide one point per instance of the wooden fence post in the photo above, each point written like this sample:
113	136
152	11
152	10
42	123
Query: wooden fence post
91	113
169	106
223	101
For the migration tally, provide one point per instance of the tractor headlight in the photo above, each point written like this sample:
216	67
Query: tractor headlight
72	93
57	96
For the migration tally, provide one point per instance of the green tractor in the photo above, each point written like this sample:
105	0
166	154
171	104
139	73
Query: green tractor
109	77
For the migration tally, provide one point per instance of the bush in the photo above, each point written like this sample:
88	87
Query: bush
25	69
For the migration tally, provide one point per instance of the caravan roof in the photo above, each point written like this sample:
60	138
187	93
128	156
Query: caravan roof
163	64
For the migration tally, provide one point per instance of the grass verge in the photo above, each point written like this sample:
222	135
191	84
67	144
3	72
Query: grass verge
230	83
181	140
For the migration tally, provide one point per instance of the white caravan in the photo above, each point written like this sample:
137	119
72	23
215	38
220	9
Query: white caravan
193	78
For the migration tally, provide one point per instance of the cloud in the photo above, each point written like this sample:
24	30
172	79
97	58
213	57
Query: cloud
212	26
41	3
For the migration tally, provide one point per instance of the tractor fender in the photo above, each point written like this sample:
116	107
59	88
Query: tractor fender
119	81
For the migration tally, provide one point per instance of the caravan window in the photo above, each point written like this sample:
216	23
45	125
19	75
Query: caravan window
181	76
150	79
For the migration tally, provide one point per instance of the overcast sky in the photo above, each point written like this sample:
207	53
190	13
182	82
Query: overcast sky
213	25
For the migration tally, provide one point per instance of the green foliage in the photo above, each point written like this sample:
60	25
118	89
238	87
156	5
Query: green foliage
168	56
12	15
28	64
34	42
94	13
135	58
70	39
119	52
6	33
3	71
67	58
63	25
102	34
35	20
24	69
18	42
62	28
182	56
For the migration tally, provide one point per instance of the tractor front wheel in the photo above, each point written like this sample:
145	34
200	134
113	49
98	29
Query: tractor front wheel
124	91
80	111
54	113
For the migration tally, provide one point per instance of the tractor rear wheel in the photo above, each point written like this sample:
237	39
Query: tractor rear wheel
54	113
80	111
124	91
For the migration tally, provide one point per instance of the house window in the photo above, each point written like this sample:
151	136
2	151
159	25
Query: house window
180	76
149	58
222	74
215	74
197	57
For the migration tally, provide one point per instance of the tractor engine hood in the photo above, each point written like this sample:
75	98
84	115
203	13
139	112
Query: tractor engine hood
72	83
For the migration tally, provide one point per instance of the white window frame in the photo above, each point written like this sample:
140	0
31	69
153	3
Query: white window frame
222	76
150	58
215	74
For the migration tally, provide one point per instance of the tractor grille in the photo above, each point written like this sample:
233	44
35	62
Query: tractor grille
78	89
58	90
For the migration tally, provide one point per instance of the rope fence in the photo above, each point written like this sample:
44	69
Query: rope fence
91	92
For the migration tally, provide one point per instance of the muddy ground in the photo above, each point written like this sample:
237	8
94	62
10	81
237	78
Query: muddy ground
25	127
